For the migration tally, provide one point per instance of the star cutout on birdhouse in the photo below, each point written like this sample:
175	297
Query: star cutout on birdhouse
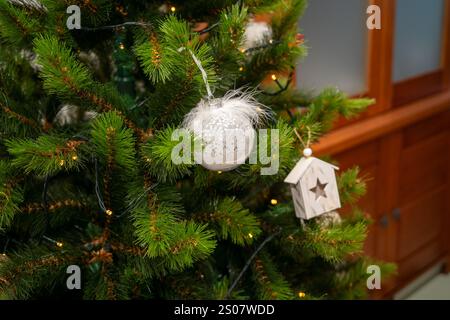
319	189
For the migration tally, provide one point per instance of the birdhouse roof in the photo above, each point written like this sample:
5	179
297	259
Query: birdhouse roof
300	168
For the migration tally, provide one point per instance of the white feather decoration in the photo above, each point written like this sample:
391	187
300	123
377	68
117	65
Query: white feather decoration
226	128
30	4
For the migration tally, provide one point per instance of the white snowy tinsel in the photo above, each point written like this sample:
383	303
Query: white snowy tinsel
29	4
256	34
329	219
68	114
225	127
32	58
91	59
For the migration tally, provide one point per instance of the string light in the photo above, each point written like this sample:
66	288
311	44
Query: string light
219	172
121	46
250	235
59	244
274	77
274	202
62	162
242	50
173	9
301	294
109	212
241	69
75	157
271	41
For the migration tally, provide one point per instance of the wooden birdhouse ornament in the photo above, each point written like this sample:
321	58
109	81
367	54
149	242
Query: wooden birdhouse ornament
313	186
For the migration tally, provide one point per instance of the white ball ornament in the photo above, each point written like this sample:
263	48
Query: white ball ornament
226	129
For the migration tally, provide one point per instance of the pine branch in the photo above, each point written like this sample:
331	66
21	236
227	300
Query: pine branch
33	268
67	78
158	156
232	221
16	27
332	244
22	119
114	143
351	187
271	284
47	155
11	195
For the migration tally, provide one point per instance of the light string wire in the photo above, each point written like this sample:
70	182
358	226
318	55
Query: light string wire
249	261
117	26
101	203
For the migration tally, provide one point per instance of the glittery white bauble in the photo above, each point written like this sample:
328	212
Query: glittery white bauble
256	34
225	128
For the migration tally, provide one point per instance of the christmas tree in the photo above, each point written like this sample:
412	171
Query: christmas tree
92	94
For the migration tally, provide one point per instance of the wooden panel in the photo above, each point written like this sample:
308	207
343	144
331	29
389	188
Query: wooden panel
421	222
446	45
423	168
380	58
370	245
419	87
420	180
425	129
413	265
369	204
363	156
387	195
446	234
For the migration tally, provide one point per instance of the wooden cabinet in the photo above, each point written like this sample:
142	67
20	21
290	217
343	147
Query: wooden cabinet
408	173
423	195
402	142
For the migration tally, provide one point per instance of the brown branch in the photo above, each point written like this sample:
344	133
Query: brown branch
156	50
103	104
179	96
110	133
19	117
71	146
136	251
53	206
